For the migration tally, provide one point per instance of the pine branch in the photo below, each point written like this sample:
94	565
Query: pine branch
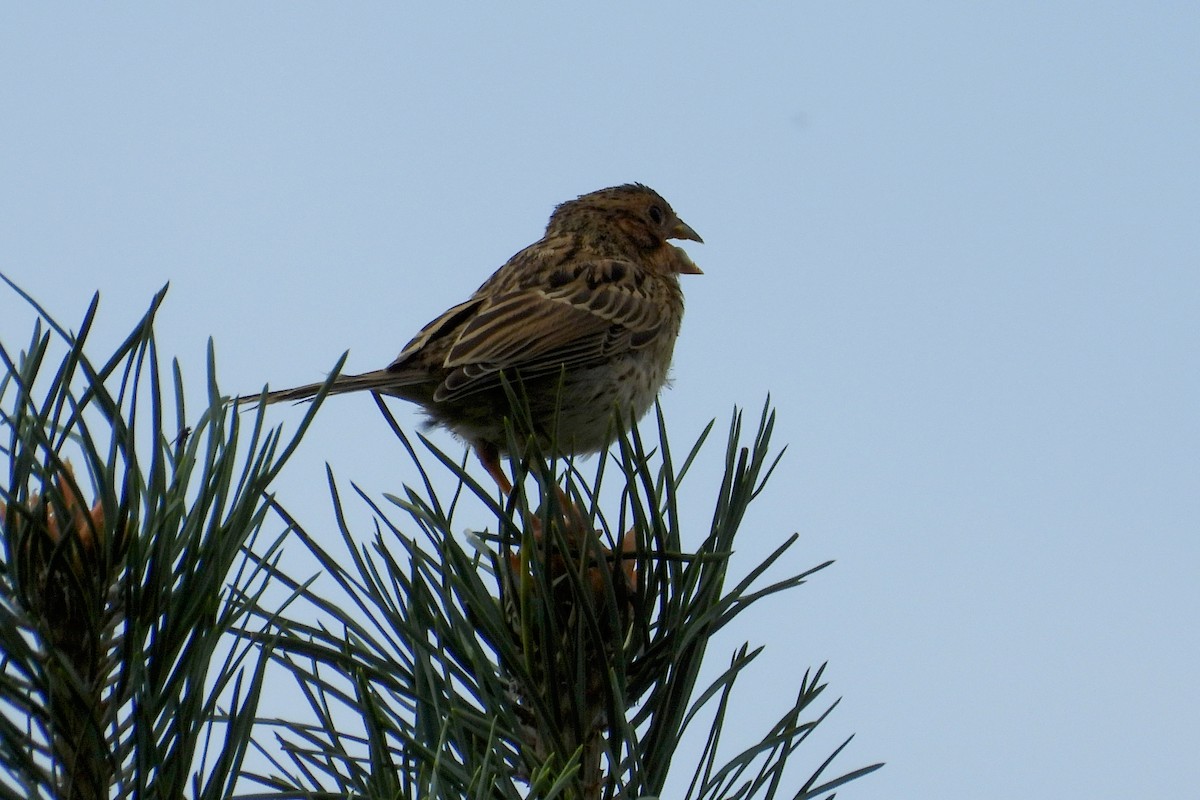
118	675
557	654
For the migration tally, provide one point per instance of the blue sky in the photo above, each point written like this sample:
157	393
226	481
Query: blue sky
957	243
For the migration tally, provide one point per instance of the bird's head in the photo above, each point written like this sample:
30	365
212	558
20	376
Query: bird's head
622	216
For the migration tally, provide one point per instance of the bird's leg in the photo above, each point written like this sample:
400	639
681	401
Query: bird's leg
572	517
489	456
628	564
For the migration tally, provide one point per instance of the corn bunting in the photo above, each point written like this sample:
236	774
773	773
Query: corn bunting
583	322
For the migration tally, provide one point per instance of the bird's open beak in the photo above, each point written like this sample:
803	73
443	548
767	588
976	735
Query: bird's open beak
684	264
684	231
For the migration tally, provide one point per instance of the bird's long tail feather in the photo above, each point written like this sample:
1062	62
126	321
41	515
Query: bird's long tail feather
378	380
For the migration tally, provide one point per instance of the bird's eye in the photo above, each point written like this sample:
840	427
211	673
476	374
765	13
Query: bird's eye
656	215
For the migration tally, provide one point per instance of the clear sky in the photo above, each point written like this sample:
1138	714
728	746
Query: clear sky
958	244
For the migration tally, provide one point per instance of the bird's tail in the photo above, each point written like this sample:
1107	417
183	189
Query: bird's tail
378	380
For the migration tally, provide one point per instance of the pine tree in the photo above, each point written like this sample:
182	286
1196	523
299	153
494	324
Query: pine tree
555	654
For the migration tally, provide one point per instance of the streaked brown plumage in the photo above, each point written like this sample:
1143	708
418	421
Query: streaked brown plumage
583	320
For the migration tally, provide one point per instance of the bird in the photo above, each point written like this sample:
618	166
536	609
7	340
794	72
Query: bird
583	322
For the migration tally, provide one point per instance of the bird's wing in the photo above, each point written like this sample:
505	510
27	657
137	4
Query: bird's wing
583	313
447	325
